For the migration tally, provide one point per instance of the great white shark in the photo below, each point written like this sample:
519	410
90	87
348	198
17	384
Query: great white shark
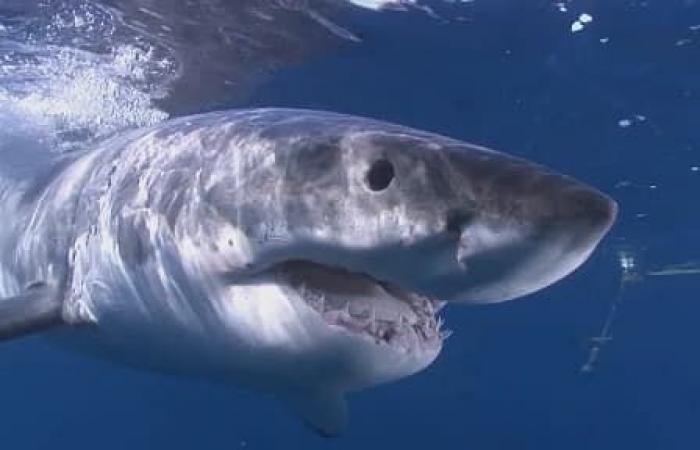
301	253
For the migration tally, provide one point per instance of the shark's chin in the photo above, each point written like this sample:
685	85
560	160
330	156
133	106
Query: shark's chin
350	302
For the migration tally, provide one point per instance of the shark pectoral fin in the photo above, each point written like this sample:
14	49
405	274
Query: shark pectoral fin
36	309
323	410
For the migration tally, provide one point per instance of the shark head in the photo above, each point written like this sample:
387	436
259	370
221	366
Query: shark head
432	215
337	240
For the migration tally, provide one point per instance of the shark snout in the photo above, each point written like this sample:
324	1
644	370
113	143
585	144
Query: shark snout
590	209
530	228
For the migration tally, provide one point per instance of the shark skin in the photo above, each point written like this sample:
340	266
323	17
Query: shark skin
305	254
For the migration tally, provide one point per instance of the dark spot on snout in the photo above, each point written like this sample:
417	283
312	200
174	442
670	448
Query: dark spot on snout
380	175
590	205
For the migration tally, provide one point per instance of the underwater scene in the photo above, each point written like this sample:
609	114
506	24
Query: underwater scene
349	224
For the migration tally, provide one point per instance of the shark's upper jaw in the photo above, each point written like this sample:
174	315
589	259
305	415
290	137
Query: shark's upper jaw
357	303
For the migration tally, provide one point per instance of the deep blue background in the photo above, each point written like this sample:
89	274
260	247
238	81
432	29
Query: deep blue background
512	76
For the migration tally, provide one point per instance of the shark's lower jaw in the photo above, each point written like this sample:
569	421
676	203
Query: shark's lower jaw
355	302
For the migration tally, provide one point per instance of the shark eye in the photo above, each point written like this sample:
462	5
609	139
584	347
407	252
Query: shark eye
379	176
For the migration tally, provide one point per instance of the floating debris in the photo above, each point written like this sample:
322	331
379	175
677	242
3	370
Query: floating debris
629	121
687	268
581	22
630	274
624	123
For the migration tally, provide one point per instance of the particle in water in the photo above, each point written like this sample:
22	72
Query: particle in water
585	18
576	26
627	122
627	261
624	123
581	22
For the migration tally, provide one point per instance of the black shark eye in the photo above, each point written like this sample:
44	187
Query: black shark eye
379	176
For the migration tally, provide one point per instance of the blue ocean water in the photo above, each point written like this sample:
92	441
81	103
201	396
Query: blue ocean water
614	104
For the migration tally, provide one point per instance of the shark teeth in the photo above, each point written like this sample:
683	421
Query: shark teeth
418	324
379	310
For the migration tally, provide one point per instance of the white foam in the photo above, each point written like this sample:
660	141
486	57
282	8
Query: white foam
89	95
80	95
378	5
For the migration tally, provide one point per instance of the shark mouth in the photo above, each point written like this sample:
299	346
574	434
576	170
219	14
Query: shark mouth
385	313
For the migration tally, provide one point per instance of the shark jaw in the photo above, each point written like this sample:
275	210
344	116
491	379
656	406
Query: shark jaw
380	312
322	331
359	329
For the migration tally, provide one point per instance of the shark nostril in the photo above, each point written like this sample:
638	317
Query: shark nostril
457	219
